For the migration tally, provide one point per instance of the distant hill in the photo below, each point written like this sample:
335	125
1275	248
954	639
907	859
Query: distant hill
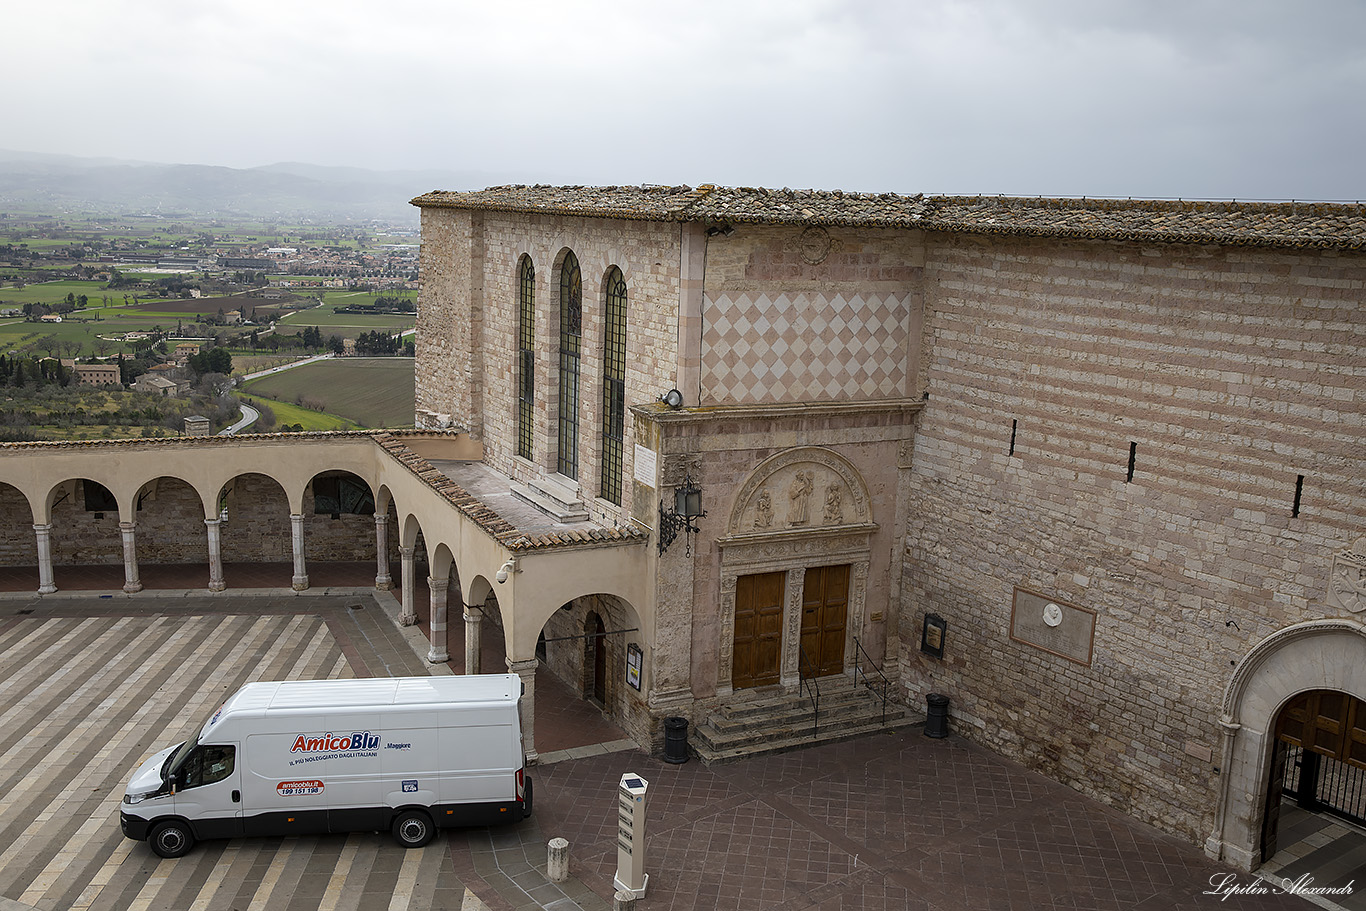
288	190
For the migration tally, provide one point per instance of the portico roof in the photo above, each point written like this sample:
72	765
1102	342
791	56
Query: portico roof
1266	224
485	496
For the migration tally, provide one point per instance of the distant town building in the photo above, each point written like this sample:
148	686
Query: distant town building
161	385
98	374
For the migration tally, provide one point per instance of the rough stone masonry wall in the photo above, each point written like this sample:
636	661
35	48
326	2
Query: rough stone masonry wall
18	543
81	537
1233	371
444	382
648	255
170	525
348	537
258	526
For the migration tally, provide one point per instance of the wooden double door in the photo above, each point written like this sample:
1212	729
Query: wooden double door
759	600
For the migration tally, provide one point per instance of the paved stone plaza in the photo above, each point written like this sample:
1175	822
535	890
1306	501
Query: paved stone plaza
90	686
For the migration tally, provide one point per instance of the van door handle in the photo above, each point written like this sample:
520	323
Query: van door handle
236	796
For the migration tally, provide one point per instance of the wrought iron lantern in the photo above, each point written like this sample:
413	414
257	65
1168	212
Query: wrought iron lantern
683	517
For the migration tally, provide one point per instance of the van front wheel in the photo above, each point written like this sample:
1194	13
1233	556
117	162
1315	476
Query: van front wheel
413	829
172	839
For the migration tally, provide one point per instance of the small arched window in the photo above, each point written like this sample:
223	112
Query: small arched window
613	385
571	338
526	356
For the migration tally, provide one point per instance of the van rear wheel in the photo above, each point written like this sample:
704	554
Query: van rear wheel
413	829
172	839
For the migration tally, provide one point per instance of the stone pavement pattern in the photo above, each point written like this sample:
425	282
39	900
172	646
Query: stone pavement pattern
89	687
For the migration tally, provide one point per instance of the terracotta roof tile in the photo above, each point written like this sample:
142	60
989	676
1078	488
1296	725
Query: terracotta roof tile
1287	224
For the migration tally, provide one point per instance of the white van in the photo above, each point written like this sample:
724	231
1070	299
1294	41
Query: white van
408	754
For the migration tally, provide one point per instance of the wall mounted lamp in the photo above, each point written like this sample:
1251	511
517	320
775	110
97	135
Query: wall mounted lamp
683	517
673	398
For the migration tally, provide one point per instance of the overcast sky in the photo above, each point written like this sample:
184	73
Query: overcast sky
1190	98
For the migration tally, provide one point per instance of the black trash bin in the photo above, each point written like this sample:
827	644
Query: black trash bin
675	739
937	715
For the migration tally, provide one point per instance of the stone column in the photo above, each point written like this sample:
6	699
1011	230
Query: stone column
382	580
216	583
527	671
130	558
437	653
789	671
44	535
296	527
473	622
408	615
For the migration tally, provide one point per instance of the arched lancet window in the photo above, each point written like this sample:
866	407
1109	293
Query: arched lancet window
613	385
571	337
526	358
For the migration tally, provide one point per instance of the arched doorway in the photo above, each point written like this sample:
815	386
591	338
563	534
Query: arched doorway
1317	656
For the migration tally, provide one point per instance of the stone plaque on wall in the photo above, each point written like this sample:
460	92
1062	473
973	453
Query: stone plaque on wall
1055	626
647	464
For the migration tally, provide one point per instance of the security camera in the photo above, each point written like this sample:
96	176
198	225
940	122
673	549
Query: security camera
502	574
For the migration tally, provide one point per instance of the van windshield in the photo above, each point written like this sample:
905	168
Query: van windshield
177	759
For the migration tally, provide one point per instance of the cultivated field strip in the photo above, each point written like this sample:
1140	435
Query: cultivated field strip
88	699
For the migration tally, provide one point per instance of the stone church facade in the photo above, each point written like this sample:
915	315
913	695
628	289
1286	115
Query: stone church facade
1095	470
1106	453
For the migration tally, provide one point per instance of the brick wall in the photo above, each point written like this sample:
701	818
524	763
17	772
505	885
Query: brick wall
1232	372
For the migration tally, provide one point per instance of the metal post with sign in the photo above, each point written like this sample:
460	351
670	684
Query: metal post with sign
631	876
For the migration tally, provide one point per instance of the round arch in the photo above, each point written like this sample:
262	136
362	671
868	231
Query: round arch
1317	655
169	516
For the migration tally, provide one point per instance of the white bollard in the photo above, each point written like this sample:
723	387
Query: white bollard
631	876
557	860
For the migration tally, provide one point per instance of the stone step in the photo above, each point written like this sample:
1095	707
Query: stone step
797	713
785	721
797	740
759	708
560	502
719	737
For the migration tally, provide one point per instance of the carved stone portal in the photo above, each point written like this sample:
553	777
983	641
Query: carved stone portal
798	473
792	535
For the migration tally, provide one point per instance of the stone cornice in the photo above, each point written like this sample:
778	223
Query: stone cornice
666	415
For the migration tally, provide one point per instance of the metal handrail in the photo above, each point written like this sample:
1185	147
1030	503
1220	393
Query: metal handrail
886	684
813	689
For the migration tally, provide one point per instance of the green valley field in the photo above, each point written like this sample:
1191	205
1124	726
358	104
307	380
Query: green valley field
371	391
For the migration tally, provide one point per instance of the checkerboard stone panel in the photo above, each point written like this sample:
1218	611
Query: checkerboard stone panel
760	348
